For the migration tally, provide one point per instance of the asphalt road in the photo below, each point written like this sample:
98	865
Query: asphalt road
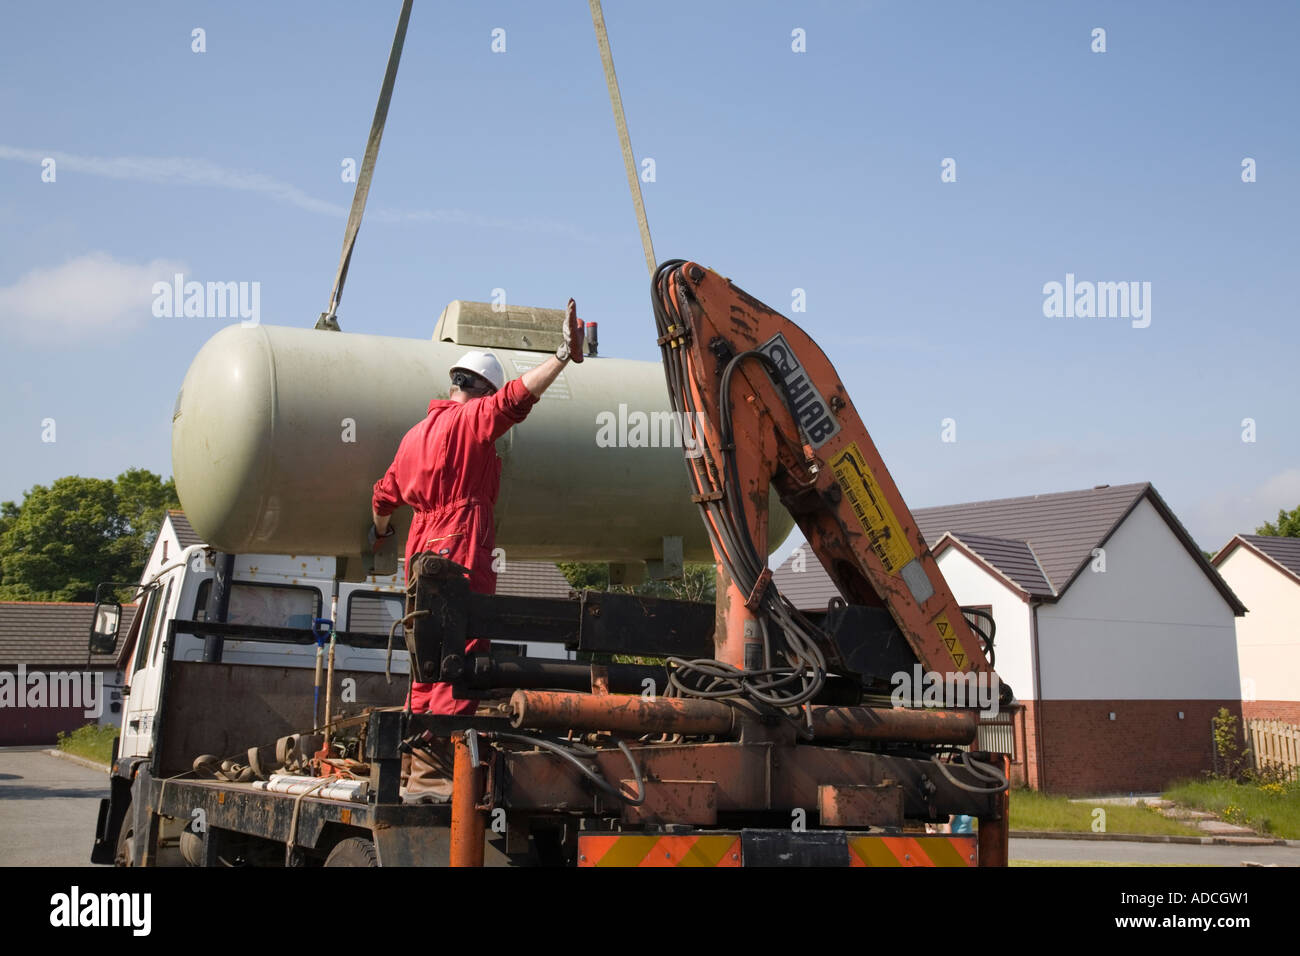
48	808
1077	851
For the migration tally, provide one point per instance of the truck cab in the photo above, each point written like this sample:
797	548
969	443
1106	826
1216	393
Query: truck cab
290	591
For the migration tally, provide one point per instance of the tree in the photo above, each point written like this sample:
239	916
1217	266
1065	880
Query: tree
65	539
8	512
698	581
1288	524
585	575
143	499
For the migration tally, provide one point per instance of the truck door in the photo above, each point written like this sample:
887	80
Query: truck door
144	678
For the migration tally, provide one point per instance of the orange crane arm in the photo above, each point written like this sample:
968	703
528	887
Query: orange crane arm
772	412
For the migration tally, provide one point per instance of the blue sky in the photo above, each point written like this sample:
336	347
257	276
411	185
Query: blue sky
782	170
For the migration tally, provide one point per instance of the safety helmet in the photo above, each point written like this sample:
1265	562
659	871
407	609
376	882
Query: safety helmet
484	365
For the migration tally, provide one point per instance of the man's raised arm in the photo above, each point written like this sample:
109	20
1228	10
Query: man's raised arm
538	380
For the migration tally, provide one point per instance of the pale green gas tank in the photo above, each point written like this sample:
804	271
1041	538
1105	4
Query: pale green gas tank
279	435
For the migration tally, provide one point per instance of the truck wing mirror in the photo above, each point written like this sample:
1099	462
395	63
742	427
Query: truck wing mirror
103	627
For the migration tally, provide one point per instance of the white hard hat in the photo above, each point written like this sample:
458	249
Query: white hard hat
483	364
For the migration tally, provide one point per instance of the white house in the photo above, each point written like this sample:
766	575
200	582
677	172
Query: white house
1113	630
1265	571
175	535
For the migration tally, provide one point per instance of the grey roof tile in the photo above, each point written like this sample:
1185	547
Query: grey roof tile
1062	528
1013	559
810	589
1040	542
1283	551
185	532
532	579
42	634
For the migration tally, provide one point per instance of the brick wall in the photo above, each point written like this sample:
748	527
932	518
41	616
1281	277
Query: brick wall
1024	769
1287	711
1144	749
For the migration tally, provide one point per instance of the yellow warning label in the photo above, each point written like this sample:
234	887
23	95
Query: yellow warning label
877	518
950	641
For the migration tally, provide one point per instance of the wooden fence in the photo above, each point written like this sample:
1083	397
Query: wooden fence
1274	744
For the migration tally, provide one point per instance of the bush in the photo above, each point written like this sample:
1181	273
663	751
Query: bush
1231	760
92	741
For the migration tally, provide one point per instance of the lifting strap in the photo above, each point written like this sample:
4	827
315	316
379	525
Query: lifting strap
620	120
328	319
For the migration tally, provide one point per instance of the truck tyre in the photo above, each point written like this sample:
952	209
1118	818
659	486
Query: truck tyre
125	835
354	851
191	845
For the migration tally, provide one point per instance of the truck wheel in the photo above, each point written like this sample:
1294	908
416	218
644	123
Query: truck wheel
191	846
125	839
354	851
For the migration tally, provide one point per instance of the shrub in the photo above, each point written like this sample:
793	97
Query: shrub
1231	759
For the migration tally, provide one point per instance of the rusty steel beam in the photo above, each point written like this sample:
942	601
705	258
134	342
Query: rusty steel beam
625	713
896	724
468	822
620	713
860	805
742	777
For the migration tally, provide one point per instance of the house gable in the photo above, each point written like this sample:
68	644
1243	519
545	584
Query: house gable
1268	637
975	584
1150	626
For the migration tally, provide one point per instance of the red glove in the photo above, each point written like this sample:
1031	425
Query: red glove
575	331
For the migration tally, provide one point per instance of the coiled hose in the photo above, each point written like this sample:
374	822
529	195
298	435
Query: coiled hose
794	666
977	768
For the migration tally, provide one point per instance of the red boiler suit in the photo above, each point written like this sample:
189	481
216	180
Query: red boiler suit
448	470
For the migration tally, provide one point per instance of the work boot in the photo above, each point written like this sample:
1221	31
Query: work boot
430	778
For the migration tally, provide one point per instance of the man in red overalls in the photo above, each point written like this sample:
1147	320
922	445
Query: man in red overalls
448	470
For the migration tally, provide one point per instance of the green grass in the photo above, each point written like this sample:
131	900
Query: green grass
1031	810
94	742
1271	808
1093	863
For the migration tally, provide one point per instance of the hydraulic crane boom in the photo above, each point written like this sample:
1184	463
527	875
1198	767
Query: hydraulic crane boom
776	413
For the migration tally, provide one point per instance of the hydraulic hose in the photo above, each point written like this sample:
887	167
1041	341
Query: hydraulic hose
575	754
794	665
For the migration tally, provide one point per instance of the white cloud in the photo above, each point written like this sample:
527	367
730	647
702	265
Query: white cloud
93	292
187	171
177	170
